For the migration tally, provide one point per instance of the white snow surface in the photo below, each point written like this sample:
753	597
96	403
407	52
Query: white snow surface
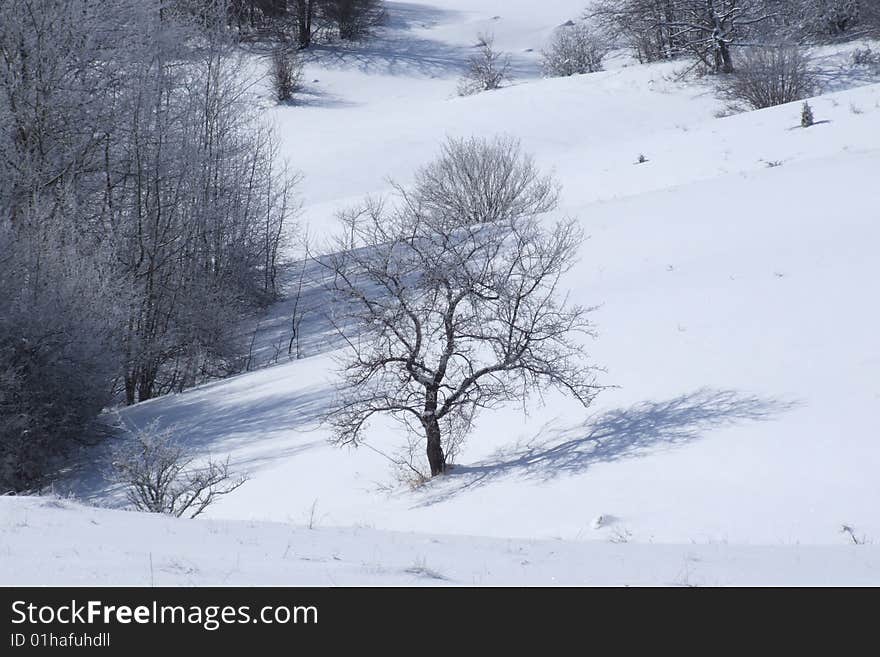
113	548
736	278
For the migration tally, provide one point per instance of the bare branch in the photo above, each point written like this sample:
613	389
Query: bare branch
450	301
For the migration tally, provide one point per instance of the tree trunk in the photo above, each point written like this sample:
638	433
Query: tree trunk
130	389
436	457
305	9
726	62
145	386
720	46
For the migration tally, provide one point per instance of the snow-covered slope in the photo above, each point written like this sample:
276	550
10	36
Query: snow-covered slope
737	277
49	540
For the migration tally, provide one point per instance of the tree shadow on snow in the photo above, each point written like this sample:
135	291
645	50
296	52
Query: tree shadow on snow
393	54
309	96
835	75
396	50
299	324
612	436
207	425
408	15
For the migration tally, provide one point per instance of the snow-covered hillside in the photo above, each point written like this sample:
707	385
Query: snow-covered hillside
736	275
46	540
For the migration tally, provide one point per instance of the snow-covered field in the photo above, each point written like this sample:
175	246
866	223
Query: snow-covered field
47	540
736	275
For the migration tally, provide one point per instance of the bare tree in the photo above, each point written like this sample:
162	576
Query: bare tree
304	12
476	180
770	76
160	478
638	24
705	29
488	69
285	73
297	315
442	320
575	48
353	19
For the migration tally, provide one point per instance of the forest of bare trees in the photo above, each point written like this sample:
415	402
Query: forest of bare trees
142	212
303	21
711	30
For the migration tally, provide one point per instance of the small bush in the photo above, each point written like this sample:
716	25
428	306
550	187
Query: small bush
866	57
285	73
477	180
487	70
574	49
807	116
770	76
160	478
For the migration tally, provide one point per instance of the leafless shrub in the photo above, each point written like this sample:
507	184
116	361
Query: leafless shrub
575	48
404	467
865	57
728	110
851	533
620	535
407	472
486	70
160	477
770	76
476	180
286	73
420	568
